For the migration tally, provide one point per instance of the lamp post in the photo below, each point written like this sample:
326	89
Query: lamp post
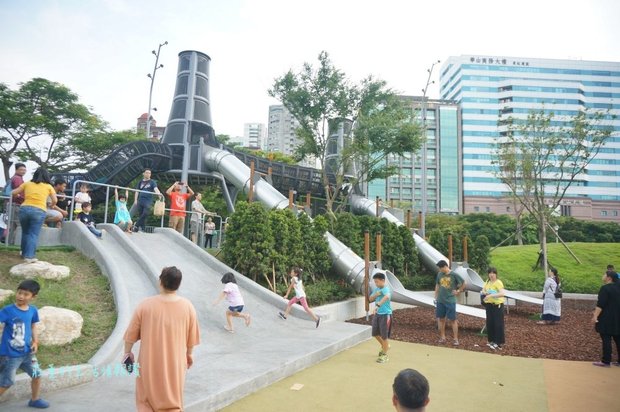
152	77
424	144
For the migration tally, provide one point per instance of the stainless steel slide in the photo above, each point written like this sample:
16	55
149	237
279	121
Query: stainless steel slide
430	256
346	262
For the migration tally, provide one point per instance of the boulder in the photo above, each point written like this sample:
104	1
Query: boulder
5	294
41	269
59	326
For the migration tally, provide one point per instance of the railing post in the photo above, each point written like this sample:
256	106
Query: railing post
107	199
290	198
378	247
367	273
251	189
408	219
377	200
450	249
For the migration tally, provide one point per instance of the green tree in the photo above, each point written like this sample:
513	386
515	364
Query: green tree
347	229
315	250
479	253
392	250
538	160
410	252
438	241
323	100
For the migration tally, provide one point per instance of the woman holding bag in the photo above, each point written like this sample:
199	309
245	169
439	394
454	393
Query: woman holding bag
493	299
552	305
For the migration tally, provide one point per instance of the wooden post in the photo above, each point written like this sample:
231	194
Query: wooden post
367	272
251	190
392	203
378	247
269	171
308	200
377	200
450	249
290	198
419	219
465	254
408	219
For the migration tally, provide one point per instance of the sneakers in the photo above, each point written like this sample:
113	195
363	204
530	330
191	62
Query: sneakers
456	342
601	364
283	317
318	320
39	404
616	363
383	357
135	229
441	340
31	260
229	329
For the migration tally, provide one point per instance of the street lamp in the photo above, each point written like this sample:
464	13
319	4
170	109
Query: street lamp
152	77
424	148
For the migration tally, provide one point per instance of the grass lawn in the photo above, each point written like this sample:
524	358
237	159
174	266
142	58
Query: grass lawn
515	263
86	291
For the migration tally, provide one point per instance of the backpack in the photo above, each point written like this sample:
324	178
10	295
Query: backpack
558	291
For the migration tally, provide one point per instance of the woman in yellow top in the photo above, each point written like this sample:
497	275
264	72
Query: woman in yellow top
493	298
32	212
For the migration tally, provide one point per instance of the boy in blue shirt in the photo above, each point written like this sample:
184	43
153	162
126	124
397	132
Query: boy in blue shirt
382	320
20	341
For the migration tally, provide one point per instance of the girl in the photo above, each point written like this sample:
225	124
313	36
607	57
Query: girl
300	296
552	306
121	216
493	298
81	197
235	301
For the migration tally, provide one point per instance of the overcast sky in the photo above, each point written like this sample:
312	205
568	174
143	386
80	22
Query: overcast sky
102	49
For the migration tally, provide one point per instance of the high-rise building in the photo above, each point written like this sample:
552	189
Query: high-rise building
281	135
443	163
489	88
254	135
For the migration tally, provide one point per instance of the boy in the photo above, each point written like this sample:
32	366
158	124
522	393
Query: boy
382	320
411	391
448	286
122	217
85	217
20	342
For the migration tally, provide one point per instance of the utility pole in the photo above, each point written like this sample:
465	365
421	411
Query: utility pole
152	77
424	150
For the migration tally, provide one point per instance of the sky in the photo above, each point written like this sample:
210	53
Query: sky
102	49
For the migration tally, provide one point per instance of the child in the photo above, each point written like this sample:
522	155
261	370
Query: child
80	198
122	217
85	217
382	320
235	301
20	342
300	296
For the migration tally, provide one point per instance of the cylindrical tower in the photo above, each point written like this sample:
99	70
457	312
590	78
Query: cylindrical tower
189	124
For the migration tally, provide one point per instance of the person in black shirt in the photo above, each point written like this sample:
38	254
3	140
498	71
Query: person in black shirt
143	201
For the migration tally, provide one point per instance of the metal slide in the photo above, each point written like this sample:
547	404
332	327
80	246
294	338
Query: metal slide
430	255
346	262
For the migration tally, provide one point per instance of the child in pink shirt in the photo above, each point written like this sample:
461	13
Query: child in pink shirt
235	301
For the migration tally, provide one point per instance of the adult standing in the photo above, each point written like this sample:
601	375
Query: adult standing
209	232
197	217
143	201
552	306
16	181
33	210
447	287
493	297
178	201
167	328
607	317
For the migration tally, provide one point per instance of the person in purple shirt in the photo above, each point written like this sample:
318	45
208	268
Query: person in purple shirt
16	181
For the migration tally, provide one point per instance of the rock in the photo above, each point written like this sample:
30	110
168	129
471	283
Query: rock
59	326
5	294
41	269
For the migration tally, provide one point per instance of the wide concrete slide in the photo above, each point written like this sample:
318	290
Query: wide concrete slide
430	256
346	263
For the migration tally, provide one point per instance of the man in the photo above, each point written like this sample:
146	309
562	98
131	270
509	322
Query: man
197	217
58	212
410	391
16	181
178	200
447	287
143	201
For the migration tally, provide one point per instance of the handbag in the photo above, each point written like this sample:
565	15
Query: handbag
159	208
558	292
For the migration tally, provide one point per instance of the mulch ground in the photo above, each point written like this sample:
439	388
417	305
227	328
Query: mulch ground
573	338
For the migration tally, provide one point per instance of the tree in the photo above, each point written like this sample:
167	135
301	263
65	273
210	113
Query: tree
374	121
479	253
541	157
315	250
43	121
410	252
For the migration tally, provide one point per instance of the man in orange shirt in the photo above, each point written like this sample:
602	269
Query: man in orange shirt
178	201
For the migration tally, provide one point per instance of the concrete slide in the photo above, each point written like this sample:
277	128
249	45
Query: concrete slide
346	262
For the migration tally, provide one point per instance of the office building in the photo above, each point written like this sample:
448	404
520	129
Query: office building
254	135
490	88
443	163
281	135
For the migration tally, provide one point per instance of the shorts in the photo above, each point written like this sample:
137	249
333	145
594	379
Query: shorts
193	226
8	367
237	309
177	223
382	326
53	214
446	310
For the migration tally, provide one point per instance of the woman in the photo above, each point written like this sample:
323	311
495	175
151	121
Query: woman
552	306
33	210
209	232
493	298
167	329
606	317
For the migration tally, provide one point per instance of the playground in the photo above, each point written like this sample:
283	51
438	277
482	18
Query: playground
254	368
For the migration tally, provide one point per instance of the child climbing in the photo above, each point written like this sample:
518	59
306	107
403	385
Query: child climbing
300	296
235	302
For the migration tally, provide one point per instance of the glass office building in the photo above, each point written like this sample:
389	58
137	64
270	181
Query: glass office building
489	88
443	164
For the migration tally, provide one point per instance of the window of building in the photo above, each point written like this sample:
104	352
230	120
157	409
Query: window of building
476	208
614	213
488	209
565	210
508	209
603	213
